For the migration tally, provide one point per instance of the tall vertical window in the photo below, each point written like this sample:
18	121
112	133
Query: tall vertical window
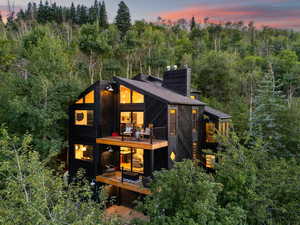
128	96
84	117
210	161
83	152
194	119
132	159
210	129
224	128
172	121
125	95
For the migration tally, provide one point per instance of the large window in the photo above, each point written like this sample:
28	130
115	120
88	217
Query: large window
88	99
172	122
128	96
132	159
84	152
210	130
134	118
84	117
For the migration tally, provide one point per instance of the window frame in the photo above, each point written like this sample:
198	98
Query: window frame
131	160
86	145
84	125
172	124
131	96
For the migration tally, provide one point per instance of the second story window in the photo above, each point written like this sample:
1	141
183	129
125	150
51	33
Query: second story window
84	117
172	122
88	99
128	96
194	119
210	130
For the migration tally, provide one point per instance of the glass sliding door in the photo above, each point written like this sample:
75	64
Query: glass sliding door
132	159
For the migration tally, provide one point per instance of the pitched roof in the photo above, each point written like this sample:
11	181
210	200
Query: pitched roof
216	113
155	90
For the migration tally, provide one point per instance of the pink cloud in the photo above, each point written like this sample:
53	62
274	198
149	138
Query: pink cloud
270	16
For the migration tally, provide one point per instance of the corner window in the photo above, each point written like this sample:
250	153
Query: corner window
83	152
128	96
172	122
84	117
224	128
132	159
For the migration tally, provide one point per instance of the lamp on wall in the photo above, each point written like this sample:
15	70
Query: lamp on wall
109	88
109	149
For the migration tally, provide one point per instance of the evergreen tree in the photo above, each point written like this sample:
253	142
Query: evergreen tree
103	16
93	12
73	13
193	23
123	20
269	105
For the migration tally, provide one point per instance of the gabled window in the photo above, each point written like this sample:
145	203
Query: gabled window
88	99
128	96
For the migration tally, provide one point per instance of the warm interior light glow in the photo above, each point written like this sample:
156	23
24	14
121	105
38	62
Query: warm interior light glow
84	117
172	122
137	97
125	117
193	97
210	161
125	95
138	119
210	129
90	98
80	101
125	158
132	159
84	152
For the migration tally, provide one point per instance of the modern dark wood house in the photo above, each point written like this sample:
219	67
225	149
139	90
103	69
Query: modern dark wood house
123	130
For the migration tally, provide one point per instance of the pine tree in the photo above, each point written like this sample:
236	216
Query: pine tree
269	105
193	23
93	12
73	13
123	20
103	16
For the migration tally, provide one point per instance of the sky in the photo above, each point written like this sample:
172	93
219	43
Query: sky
274	13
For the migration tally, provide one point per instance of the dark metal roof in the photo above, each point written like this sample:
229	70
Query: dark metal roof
216	113
157	91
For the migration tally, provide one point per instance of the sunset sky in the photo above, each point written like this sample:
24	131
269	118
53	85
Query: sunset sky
275	13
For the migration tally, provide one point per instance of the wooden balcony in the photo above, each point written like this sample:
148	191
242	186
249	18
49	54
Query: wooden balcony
132	143
115	179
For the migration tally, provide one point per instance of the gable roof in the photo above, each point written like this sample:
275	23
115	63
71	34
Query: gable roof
216	113
155	90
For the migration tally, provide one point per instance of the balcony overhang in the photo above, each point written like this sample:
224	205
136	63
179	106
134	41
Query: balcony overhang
143	144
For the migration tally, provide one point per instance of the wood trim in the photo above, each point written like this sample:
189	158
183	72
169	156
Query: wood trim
117	141
113	180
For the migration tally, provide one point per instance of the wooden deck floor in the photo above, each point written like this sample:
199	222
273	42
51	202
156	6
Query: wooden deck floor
130	142
114	178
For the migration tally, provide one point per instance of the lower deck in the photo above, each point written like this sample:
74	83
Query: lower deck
115	179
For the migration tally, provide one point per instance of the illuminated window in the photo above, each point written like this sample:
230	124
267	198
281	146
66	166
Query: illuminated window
138	160
84	117
195	150
137	97
89	98
125	95
136	118
210	129
84	152
193	97
125	117
125	158
210	161
132	159
172	122
224	128
80	101
194	119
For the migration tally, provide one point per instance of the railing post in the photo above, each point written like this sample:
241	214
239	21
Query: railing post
122	169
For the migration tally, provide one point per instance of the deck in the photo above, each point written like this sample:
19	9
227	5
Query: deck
130	142
114	178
